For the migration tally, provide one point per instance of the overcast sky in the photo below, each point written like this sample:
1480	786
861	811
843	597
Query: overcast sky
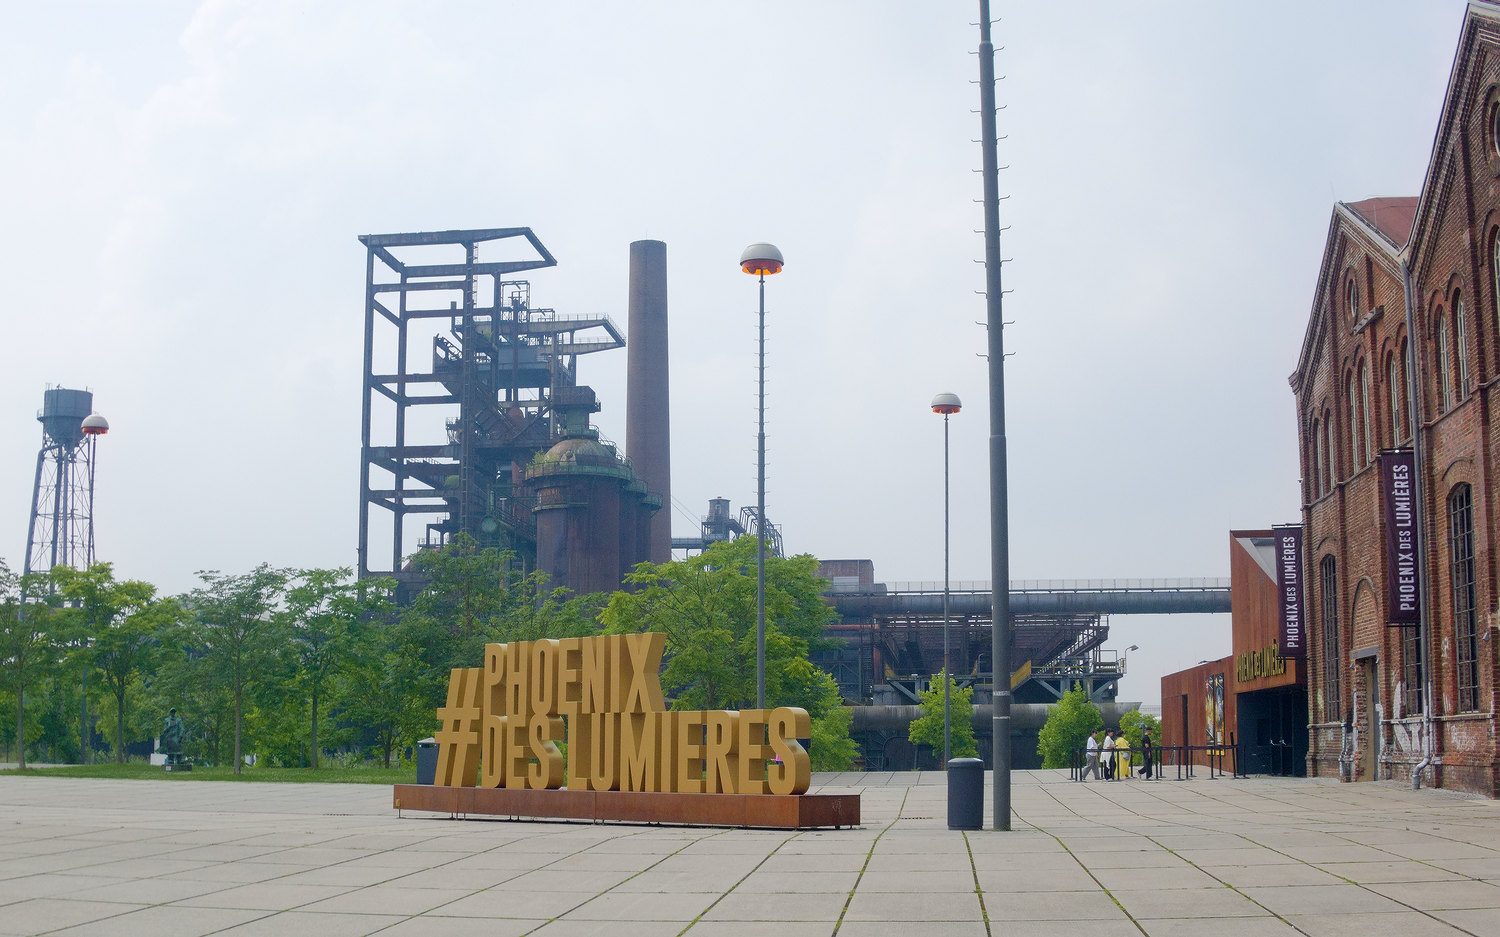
185	182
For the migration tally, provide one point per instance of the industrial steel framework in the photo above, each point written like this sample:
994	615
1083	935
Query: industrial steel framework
448	440
891	634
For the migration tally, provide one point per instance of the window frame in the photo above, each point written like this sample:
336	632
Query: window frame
1464	590
1328	580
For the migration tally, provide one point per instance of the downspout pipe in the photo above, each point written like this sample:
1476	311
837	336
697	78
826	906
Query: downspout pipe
1413	365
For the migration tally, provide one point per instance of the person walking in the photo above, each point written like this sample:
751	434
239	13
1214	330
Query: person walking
1146	751
1109	754
1091	758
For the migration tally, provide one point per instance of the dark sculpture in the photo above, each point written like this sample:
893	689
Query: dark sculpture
173	735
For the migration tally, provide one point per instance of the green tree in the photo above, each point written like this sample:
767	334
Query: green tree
1069	723
119	625
28	645
927	729
705	606
476	596
238	630
328	616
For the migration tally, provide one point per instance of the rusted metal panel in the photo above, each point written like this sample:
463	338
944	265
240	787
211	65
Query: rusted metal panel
771	811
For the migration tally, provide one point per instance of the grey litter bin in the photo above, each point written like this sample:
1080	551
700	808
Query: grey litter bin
427	761
965	794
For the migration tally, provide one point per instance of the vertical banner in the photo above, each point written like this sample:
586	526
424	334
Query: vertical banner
1291	590
1398	496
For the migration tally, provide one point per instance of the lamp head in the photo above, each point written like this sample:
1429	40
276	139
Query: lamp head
946	404
761	259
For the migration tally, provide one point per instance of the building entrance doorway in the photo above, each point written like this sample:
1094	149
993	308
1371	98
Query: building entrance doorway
1273	731
1369	724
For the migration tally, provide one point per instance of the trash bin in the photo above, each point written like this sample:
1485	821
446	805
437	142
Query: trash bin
427	761
965	794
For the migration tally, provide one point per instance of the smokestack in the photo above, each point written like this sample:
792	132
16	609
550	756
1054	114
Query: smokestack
648	425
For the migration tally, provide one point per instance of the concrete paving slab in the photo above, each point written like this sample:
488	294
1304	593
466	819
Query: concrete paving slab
748	907
625	906
1479	923
1119	859
1442	896
436	926
293	923
914	907
403	902
571	928
772	929
35	915
1218	927
1320	899
161	921
1404	923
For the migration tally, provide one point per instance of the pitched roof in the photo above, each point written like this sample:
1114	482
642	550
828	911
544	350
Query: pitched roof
1392	217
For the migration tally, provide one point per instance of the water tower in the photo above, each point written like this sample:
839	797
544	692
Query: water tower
62	500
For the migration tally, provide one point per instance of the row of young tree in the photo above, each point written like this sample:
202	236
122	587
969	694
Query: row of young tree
293	664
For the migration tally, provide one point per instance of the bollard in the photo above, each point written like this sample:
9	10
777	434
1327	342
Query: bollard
965	794
427	761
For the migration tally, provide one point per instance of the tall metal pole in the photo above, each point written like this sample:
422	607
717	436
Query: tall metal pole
760	515
947	722
999	507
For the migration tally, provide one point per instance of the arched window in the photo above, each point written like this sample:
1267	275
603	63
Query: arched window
1461	346
1318	485
1356	460
1495	268
1444	363
1406	388
1366	416
1329	470
1351	300
1394	385
1329	581
1465	614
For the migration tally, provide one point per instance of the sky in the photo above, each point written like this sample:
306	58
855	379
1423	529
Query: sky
186	182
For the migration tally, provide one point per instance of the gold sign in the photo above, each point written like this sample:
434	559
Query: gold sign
1266	662
602	697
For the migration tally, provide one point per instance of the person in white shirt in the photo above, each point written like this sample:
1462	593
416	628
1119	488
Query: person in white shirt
1091	755
1109	754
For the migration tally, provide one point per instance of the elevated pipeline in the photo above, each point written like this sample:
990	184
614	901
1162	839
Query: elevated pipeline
1104	602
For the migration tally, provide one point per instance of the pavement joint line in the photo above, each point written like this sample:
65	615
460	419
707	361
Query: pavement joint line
984	913
737	884
849	898
1169	851
521	872
1303	862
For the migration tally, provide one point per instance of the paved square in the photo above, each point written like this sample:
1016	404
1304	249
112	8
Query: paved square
1233	858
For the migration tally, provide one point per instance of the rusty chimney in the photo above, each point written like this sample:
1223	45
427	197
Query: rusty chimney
647	417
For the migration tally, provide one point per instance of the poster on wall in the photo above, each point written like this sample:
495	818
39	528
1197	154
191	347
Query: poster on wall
1398	496
1290	590
1213	709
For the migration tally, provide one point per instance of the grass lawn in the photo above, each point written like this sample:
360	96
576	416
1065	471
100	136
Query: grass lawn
328	775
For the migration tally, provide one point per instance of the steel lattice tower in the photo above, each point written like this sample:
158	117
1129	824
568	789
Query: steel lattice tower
61	532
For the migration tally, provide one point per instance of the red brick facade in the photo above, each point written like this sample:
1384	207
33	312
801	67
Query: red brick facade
1366	680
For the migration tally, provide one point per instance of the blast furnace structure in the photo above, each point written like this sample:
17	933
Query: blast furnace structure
492	438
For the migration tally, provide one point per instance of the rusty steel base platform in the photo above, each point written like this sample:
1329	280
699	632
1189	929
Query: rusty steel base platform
772	811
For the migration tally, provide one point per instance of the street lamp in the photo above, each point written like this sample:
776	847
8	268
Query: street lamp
947	405
761	260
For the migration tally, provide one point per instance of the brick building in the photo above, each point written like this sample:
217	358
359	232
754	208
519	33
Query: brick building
1254	698
1403	350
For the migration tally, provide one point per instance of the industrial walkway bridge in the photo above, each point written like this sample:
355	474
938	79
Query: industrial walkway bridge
892	633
